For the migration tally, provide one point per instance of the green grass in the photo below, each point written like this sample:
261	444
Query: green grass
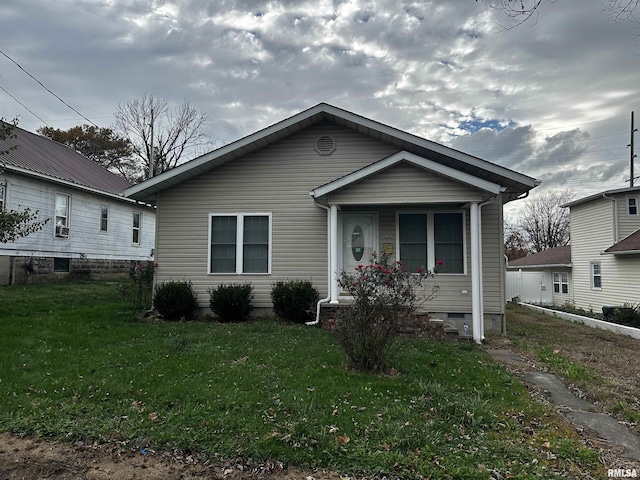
77	363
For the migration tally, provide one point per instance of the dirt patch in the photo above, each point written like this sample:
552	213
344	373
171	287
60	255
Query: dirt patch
25	458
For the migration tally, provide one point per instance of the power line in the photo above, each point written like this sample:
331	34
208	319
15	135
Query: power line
47	89
24	106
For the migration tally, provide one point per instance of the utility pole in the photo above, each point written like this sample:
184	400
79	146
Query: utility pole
151	157
632	154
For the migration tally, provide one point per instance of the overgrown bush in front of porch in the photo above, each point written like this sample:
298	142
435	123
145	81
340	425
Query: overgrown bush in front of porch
384	296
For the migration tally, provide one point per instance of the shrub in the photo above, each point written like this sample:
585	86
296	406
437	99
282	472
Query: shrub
175	300
294	300
231	303
139	289
628	315
385	296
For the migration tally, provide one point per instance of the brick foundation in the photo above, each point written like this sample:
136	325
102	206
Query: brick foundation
418	326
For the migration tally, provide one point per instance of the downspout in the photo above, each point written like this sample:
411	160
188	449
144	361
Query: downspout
329	253
615	217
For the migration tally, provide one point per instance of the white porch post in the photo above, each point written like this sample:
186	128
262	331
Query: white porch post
476	274
333	254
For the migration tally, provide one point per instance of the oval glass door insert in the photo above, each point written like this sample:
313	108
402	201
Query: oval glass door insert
357	243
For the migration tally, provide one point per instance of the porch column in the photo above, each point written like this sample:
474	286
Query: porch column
333	253
476	274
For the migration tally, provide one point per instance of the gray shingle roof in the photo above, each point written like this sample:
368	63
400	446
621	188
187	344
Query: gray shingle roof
630	244
52	159
558	256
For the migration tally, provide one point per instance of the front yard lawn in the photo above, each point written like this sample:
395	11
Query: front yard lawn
77	364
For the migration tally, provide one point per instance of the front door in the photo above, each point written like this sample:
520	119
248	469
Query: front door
359	232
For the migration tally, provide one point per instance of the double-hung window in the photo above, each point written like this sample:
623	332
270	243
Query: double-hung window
432	240
137	226
61	225
104	217
596	276
560	282
412	234
633	206
2	197
240	243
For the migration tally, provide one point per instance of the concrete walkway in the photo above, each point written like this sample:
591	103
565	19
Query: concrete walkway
579	411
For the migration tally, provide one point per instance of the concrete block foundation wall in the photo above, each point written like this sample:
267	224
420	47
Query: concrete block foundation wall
22	270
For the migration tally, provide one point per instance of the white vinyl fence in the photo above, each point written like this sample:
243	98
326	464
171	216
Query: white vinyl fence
529	287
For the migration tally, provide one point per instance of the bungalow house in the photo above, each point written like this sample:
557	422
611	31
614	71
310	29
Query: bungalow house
605	248
91	228
542	278
320	191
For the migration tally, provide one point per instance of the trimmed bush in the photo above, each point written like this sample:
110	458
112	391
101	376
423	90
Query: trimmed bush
231	303
295	300
175	300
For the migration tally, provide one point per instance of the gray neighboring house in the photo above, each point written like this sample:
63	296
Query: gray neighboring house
542	278
92	228
317	193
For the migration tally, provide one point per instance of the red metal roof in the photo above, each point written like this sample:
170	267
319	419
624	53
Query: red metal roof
43	156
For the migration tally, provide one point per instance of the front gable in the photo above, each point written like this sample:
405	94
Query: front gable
405	178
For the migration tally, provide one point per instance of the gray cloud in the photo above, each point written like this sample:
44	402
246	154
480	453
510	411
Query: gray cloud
556	95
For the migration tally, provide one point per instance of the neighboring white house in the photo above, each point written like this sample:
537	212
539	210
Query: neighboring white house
542	278
317	193
92	228
601	267
605	248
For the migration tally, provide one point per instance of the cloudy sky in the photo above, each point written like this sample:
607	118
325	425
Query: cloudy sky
550	98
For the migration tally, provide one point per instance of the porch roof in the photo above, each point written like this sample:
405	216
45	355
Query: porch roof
412	159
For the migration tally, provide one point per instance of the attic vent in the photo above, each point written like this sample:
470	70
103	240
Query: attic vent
325	145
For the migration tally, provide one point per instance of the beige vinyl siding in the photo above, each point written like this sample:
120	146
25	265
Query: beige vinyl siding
592	232
275	180
452	296
627	224
404	183
493	266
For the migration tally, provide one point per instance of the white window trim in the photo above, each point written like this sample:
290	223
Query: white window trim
560	282
3	201
133	213
55	215
240	242
637	199
431	246
592	275
100	219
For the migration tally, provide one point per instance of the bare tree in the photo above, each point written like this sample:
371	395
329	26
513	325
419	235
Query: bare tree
519	11
159	137
515	246
543	223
